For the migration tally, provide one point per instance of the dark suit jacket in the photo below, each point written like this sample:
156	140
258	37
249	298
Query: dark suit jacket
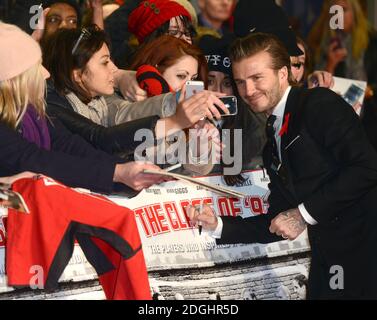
117	139
332	169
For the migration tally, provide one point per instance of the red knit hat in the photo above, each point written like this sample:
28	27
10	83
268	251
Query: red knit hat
151	14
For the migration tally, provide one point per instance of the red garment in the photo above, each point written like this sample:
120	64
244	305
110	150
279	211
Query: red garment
59	215
151	80
152	14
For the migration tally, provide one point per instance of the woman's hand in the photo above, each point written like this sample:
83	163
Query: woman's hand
334	56
132	175
197	107
128	86
205	140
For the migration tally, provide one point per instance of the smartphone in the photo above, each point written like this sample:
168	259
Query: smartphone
193	87
231	104
353	94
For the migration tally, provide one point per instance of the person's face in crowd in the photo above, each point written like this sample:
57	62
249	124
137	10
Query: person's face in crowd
186	68
61	15
219	10
260	86
298	65
220	82
98	76
300	290
348	14
178	30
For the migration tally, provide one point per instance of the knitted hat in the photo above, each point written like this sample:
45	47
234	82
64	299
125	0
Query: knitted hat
216	52
267	17
151	14
189	7
19	52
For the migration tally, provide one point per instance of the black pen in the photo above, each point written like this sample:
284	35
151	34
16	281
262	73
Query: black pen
199	222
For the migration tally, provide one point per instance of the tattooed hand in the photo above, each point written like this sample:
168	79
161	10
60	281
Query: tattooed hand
288	224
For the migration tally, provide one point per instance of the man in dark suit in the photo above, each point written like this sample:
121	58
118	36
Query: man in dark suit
323	174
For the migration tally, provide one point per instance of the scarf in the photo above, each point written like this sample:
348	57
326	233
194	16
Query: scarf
96	110
34	128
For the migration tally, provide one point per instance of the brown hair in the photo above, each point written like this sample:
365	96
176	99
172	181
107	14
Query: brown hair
308	61
257	42
164	52
60	62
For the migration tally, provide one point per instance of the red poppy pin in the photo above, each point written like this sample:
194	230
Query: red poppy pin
284	127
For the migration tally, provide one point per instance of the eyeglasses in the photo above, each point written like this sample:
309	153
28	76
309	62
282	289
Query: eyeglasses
178	33
85	34
57	20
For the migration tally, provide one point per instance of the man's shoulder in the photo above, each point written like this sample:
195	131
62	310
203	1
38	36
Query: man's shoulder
319	100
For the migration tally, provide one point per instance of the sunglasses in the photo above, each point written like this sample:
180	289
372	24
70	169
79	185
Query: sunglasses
85	34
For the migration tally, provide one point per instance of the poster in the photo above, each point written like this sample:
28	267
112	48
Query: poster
185	265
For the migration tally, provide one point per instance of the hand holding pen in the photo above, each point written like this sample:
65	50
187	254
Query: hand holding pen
203	216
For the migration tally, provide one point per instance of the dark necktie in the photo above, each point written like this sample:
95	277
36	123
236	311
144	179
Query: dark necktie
276	164
270	132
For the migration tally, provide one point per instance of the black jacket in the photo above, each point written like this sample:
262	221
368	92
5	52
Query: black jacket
71	160
332	169
114	140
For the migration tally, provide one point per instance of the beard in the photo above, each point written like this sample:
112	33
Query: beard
270	98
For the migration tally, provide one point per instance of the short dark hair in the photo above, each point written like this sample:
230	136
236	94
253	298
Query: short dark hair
163	29
255	43
60	61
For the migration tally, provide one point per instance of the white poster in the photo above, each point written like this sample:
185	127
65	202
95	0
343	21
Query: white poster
171	243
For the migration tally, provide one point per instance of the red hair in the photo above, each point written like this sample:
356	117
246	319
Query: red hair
165	51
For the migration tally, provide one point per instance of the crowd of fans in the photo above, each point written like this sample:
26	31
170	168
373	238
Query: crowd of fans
74	91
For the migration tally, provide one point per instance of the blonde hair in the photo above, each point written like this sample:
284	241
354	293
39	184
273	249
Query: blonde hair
16	93
360	29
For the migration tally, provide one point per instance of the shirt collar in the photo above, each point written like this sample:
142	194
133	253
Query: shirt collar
280	107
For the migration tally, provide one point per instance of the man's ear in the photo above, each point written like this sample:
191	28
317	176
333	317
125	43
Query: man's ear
283	73
76	75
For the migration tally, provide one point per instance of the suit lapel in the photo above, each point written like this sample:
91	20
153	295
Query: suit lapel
291	110
291	133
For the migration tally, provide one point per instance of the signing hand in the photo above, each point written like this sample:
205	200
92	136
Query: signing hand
207	217
288	224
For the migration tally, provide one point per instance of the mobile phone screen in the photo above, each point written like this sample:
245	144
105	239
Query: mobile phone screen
231	104
353	94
